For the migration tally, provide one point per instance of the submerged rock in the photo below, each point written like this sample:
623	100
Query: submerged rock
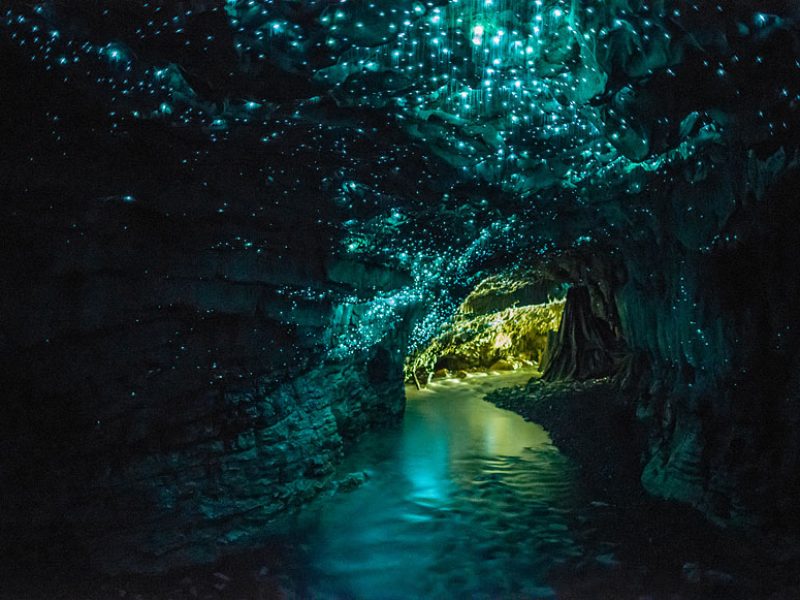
353	481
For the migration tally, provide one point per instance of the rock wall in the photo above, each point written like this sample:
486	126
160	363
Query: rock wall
691	307
162	403
693	313
717	325
167	338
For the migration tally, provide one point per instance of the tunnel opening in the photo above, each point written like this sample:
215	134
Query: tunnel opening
560	320
504	324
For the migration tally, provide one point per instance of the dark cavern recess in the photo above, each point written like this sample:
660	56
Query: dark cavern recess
235	234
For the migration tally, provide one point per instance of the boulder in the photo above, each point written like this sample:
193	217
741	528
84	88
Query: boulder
352	481
502	365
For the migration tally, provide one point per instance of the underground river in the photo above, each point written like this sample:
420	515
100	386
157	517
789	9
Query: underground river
463	498
466	500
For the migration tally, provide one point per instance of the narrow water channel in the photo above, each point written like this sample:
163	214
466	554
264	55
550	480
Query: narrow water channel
462	500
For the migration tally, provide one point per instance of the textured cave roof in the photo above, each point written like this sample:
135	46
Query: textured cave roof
444	138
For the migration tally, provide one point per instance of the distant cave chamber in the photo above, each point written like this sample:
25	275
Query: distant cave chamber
502	325
513	322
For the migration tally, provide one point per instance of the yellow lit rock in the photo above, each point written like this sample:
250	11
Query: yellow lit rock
504	340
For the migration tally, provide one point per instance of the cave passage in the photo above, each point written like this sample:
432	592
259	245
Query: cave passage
238	235
461	499
505	323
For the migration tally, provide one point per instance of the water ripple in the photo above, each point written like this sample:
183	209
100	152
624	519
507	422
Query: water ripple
465	500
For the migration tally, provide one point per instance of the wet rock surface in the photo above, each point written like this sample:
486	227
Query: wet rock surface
502	325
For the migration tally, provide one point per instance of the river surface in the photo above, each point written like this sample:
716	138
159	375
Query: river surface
466	500
462	500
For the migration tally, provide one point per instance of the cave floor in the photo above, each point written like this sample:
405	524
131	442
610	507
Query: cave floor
463	499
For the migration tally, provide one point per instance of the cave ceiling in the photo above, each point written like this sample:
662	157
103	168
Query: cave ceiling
442	138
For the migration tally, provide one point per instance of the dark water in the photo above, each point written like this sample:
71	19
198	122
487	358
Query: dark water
465	500
462	500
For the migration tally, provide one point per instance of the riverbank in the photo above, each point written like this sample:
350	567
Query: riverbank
654	549
588	421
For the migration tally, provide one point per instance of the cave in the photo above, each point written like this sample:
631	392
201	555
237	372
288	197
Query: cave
400	299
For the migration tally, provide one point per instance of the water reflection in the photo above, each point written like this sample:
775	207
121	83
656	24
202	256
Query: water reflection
464	499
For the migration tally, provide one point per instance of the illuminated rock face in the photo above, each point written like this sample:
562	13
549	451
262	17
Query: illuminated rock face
227	223
503	324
